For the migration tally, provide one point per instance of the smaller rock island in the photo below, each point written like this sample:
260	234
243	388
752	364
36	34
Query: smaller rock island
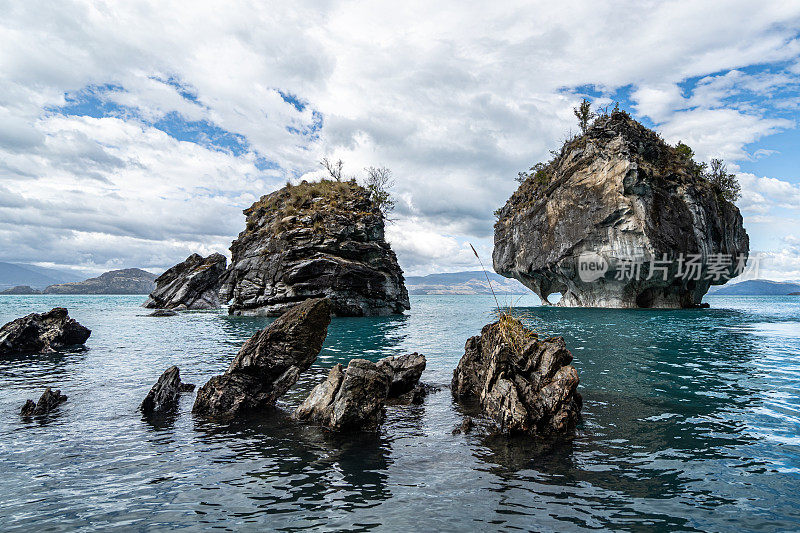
313	240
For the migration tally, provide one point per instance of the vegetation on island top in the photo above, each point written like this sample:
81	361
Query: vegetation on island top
541	174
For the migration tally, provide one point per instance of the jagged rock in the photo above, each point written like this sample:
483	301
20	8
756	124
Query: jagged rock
415	396
47	402
268	363
125	281
311	240
353	398
524	384
21	289
192	284
465	427
403	372
164	395
42	333
163	312
617	193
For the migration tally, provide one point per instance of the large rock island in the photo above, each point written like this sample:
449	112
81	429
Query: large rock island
125	281
320	239
616	197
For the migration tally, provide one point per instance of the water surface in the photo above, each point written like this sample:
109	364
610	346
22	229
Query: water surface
691	421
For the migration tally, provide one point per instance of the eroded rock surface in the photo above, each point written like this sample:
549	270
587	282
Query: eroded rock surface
403	372
618	191
312	240
163	397
47	402
42	333
523	384
191	284
268	363
351	398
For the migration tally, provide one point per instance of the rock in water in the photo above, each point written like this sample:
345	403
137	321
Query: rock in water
311	240
192	284
353	398
620	192
164	395
403	372
42	333
47	402
525	385
268	363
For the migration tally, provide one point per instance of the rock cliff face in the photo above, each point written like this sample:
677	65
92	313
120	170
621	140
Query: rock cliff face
619	192
125	281
268	364
523	384
192	284
323	239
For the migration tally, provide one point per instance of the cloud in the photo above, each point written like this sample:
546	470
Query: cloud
133	135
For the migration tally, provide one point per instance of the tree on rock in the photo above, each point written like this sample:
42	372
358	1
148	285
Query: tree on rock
725	182
378	182
584	114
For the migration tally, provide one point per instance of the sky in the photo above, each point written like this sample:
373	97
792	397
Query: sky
133	134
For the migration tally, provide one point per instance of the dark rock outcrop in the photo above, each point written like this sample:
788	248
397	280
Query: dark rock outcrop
312	240
524	384
47	402
42	333
191	284
163	312
163	397
126	281
353	398
268	363
403	372
617	193
21	289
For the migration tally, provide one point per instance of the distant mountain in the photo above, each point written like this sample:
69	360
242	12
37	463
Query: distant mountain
16	274
127	281
21	289
758	287
471	282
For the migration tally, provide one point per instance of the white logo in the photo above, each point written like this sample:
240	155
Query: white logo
591	266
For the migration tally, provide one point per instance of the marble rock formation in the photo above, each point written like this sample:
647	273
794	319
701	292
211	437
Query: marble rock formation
404	372
614	194
42	333
525	385
349	399
47	402
269	363
163	397
313	240
192	284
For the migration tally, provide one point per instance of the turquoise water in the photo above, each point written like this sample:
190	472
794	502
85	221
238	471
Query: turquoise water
691	421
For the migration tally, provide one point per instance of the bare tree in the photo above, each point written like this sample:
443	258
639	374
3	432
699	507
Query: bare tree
334	169
379	181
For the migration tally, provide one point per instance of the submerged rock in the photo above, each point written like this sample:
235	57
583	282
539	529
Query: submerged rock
616	197
192	284
47	402
163	312
42	333
268	363
311	240
352	398
164	395
403	372
524	384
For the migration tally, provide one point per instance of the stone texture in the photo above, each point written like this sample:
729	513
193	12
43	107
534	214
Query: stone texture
163	397
348	399
42	333
313	240
192	284
269	363
125	281
47	402
523	384
621	192
403	372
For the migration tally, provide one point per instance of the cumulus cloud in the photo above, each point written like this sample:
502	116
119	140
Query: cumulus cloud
133	135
